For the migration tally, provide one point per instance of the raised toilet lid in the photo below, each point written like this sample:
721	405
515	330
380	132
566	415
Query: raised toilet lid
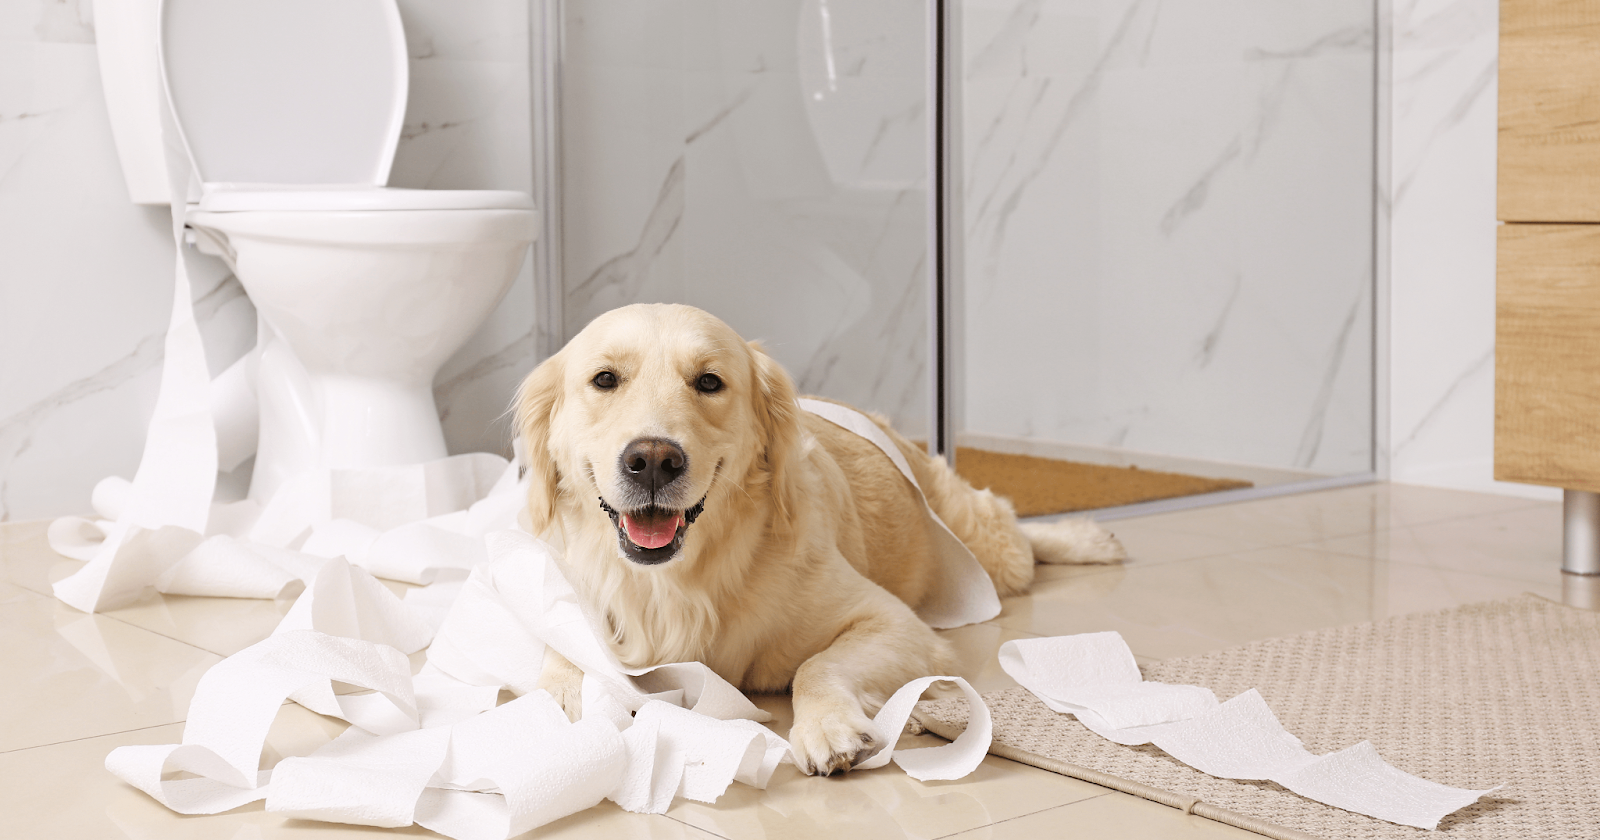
286	91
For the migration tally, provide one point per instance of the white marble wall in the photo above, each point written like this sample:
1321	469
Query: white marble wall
764	161
1441	193
86	276
1169	227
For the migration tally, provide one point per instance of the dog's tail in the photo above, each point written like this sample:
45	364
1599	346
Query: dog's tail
1074	540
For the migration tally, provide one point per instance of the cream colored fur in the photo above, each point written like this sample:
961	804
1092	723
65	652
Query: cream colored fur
804	569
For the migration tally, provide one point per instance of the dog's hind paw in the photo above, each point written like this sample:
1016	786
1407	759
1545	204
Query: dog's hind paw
831	744
1074	540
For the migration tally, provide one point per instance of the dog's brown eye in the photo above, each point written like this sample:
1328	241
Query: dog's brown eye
708	383
605	380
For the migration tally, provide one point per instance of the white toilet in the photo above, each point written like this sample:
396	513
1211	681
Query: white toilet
290	111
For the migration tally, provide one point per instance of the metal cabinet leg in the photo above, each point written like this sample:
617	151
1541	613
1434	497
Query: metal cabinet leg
1580	546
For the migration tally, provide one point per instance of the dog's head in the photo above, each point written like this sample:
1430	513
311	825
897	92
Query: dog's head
655	414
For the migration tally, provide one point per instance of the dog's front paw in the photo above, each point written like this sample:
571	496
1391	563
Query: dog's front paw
564	682
831	743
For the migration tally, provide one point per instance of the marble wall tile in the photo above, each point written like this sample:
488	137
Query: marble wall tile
1442	265
765	162
1169	227
85	276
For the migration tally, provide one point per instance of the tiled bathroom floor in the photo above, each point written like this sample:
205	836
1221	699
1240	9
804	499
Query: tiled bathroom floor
76	685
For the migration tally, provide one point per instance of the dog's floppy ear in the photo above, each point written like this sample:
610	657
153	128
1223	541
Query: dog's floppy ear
777	423
537	402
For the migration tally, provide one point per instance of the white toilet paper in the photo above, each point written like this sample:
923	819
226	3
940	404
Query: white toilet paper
434	749
1095	677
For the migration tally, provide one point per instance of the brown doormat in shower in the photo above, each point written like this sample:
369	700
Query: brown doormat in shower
1497	693
1041	486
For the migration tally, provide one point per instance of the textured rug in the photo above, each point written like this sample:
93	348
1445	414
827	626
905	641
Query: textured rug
1041	486
1499	693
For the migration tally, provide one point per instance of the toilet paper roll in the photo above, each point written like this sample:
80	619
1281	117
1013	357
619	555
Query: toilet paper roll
1094	677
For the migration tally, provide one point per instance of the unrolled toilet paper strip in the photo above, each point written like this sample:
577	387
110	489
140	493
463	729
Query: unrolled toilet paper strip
178	470
1094	676
963	593
943	763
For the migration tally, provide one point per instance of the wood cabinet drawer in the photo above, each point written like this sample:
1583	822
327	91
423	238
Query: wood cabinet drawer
1547	356
1549	111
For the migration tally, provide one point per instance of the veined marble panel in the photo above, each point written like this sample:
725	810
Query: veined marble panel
766	162
1442	264
1169	211
86	276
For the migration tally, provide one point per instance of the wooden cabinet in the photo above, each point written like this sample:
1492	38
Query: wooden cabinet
1549	111
1547	356
1547	312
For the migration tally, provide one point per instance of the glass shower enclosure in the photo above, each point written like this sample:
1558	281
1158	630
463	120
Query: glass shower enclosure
1149	225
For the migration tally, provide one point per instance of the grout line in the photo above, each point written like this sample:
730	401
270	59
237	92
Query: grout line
90	737
991	825
127	623
690	826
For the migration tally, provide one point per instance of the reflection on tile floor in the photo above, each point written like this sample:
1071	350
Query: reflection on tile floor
1198	580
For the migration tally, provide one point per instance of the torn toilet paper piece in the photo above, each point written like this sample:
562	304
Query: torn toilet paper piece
1094	677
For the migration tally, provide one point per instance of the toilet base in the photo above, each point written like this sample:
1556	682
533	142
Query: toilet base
317	421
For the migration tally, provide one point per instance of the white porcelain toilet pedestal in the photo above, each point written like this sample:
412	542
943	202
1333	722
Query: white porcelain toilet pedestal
361	308
328	421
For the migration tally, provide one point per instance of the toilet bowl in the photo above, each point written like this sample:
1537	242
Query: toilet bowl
290	113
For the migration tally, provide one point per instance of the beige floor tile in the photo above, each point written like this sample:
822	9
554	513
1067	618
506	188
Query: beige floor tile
1307	517
882	803
63	792
223	626
73	675
10	593
977	660
1522	544
1193	606
26	559
1148	544
1114	816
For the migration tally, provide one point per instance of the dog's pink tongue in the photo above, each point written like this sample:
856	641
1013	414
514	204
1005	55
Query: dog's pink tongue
656	532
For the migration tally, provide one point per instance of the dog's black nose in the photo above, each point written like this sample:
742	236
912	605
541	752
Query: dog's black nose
653	463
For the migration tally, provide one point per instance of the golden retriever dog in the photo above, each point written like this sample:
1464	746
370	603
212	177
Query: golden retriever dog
706	517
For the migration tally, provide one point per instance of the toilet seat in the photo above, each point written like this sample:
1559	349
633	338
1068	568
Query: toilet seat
298	92
232	198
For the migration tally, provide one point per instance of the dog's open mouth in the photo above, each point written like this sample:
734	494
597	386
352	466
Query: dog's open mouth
652	535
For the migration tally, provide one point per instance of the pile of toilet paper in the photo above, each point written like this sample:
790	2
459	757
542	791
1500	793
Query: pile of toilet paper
434	748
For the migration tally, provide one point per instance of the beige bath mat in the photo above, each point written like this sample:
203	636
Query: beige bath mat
1500	693
1042	486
